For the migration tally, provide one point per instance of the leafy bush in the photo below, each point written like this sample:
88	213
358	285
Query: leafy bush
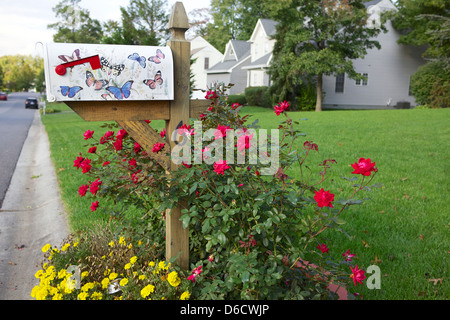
252	231
258	96
430	85
237	98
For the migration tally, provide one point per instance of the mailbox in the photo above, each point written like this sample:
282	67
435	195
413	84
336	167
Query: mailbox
99	72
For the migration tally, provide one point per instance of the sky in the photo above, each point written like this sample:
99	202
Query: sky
23	23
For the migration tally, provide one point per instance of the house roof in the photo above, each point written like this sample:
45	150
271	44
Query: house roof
371	3
262	62
241	48
269	26
241	51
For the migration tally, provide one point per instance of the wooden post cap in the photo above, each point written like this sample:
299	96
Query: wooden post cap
178	18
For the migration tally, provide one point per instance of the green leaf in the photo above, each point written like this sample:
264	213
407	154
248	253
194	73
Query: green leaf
245	276
221	238
185	219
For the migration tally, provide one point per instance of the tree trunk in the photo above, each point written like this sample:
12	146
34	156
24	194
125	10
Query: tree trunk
319	93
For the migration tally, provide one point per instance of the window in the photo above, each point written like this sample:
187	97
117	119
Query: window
206	65
363	82
340	83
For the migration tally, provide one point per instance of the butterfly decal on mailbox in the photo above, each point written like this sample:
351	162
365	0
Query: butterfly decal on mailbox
107	67
158	57
140	59
92	82
75	56
153	82
70	91
121	93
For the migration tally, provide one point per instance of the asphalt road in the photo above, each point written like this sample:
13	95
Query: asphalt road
32	213
15	122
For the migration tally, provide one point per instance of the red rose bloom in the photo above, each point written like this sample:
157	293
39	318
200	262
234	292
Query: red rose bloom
157	147
94	206
88	134
324	198
364	167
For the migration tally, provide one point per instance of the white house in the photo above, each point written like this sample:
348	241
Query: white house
388	71
261	53
205	56
231	68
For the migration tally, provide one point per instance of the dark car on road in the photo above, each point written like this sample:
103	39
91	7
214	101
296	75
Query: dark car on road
31	103
3	96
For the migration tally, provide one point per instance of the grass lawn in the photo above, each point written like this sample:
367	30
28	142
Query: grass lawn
403	228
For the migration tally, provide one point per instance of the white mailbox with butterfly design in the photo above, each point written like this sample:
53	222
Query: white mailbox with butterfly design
99	72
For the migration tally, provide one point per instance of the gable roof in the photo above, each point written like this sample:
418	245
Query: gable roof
267	25
241	48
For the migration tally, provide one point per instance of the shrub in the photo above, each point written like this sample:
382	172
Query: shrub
430	85
252	230
237	98
258	96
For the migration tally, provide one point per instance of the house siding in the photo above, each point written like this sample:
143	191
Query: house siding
389	70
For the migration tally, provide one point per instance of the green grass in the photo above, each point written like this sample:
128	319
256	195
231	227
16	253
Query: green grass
405	224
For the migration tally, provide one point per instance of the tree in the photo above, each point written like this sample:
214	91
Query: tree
20	71
75	25
144	22
316	38
425	22
234	20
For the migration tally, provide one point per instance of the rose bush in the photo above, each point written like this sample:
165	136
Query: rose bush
251	235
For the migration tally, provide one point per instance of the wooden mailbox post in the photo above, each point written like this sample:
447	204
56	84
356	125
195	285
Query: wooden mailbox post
131	116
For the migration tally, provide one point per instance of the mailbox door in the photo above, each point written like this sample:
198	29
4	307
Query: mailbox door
107	72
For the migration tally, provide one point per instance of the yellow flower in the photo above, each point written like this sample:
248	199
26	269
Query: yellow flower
130	246
185	295
38	274
83	296
65	247
97	296
113	275
127	266
173	279
84	274
46	247
122	241
75	244
151	264
133	260
105	283
111	244
142	277
62	273
145	292
123	282
139	242
106	272
88	286
57	296
163	265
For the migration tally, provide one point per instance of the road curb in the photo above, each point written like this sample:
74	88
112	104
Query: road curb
31	216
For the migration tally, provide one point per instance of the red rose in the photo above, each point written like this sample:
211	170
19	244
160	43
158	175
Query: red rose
88	134
364	167
324	198
157	147
94	206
